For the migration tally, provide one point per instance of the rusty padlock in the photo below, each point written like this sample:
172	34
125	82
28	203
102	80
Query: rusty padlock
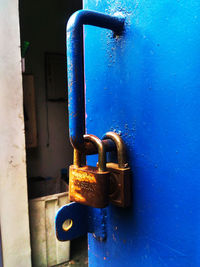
120	174
89	185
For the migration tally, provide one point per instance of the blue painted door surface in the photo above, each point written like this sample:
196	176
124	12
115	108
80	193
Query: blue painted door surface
145	84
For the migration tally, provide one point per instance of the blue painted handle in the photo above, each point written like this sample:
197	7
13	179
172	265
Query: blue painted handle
76	96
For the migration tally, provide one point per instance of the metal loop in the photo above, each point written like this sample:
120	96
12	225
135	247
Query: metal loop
121	148
101	150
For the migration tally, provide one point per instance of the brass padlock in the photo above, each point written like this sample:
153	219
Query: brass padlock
120	174
89	185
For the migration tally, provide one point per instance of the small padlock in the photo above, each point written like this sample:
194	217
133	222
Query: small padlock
89	185
120	174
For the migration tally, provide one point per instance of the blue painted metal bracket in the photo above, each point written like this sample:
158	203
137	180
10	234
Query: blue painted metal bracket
76	96
83	219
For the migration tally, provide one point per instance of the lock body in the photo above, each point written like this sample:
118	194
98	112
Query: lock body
88	186
120	174
119	185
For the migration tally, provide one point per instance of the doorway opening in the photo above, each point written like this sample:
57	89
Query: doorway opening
48	150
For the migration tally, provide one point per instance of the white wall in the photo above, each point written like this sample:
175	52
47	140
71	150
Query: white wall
43	25
14	222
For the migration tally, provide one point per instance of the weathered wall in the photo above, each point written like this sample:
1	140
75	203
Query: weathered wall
13	189
43	25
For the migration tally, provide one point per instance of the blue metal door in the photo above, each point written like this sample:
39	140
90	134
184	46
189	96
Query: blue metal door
145	84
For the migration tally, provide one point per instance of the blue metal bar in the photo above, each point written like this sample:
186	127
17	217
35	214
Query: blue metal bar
76	96
84	220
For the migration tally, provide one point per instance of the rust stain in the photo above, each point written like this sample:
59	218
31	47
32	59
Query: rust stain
114	238
75	115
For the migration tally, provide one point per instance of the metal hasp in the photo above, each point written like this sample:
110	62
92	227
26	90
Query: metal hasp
76	94
81	220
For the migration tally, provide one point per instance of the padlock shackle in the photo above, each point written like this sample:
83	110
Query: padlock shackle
77	158
121	148
101	150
